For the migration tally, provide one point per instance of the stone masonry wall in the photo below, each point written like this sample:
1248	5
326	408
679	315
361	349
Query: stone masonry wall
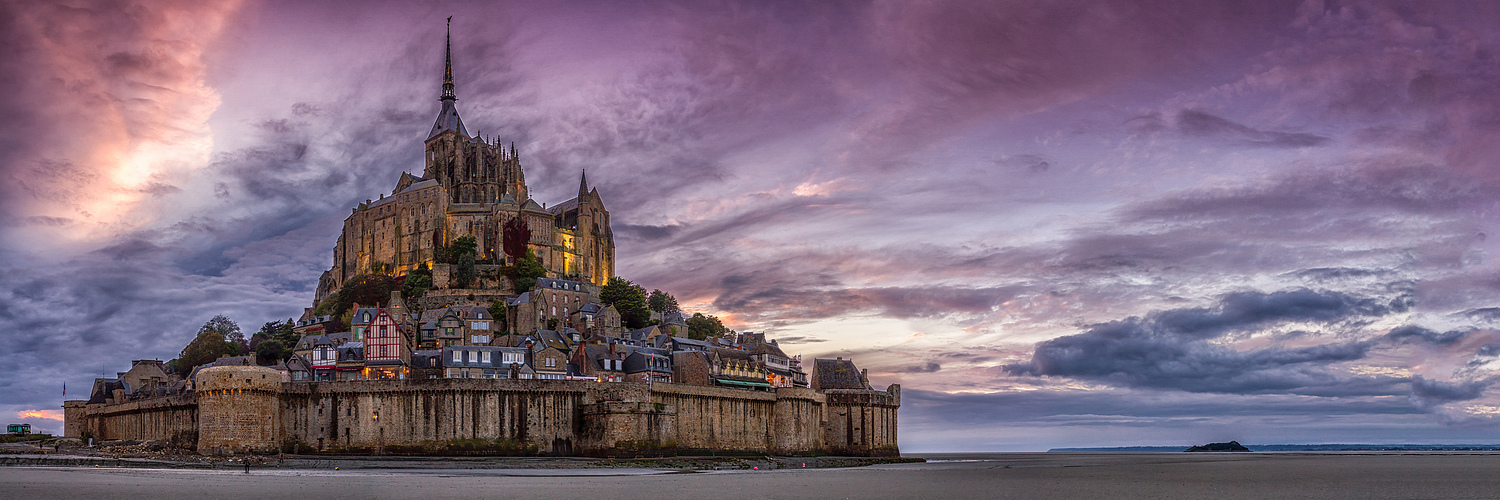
237	412
862	422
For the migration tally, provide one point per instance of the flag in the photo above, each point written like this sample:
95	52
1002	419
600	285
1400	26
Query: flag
65	388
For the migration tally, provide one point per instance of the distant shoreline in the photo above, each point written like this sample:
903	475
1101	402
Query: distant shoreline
1293	447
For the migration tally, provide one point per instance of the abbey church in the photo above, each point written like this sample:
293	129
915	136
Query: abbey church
470	186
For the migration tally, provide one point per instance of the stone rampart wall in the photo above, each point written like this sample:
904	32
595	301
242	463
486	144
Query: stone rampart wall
172	418
501	416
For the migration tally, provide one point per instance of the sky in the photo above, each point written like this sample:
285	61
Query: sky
1053	223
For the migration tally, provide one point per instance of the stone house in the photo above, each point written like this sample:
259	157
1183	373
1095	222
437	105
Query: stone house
604	363
692	367
548	305
645	364
145	376
550	354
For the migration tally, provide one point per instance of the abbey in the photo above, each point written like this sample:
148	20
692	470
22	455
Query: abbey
470	186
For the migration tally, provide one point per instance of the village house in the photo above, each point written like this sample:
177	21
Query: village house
481	361
386	350
548	305
604	363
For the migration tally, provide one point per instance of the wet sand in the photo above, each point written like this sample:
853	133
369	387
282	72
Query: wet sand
1007	475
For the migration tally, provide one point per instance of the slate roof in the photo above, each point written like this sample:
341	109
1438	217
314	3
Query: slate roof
837	374
524	298
687	344
563	207
768	348
423	184
558	284
448	120
359	316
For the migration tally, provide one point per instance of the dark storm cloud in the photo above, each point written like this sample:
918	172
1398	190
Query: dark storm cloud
1171	349
1426	393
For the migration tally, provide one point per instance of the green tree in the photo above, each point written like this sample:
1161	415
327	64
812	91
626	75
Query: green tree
702	327
271	343
218	337
462	252
271	351
526	271
364	289
629	299
661	302
417	282
229	331
464	271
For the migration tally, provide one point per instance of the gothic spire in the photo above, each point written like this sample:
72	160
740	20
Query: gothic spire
583	185
448	117
448	66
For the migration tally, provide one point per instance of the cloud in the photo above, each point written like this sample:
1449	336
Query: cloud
1200	124
41	414
1428	394
1172	349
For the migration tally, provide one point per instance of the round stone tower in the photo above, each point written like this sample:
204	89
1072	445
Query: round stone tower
237	410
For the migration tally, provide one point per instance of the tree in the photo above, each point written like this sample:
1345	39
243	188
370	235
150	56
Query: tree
462	253
524	274
465	270
661	302
271	343
271	351
218	337
417	282
515	236
629	299
365	289
227	330
701	327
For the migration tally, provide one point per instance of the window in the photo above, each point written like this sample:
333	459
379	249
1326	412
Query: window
551	362
385	350
484	357
472	356
457	356
382	331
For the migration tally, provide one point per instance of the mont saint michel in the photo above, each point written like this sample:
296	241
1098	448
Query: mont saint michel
461	316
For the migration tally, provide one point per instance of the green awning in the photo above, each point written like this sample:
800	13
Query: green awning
726	381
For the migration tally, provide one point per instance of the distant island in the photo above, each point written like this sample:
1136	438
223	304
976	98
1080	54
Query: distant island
1230	446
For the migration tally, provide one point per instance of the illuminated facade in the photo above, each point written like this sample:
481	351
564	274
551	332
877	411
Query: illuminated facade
470	186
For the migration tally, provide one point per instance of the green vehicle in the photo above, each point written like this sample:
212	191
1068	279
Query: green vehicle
18	429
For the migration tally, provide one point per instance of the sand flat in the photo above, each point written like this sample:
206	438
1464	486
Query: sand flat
1005	475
